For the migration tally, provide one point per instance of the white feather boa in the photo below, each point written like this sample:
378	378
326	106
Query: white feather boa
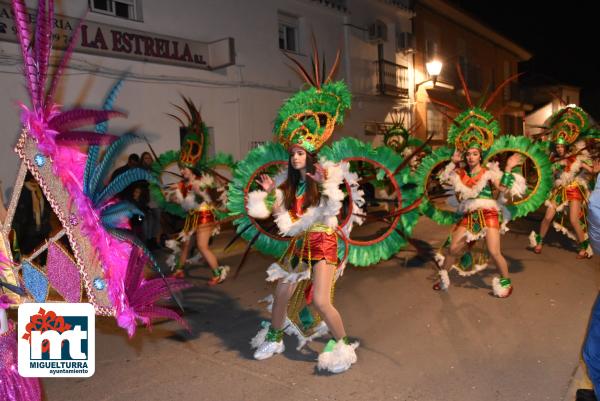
276	272
469	195
439	258
324	213
327	210
189	202
493	174
568	177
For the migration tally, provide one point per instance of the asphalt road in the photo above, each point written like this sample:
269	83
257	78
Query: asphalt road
416	344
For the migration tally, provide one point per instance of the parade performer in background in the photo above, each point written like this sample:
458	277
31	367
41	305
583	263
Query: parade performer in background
201	194
485	195
569	130
482	215
402	140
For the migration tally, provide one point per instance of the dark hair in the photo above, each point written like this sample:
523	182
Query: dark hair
133	158
312	196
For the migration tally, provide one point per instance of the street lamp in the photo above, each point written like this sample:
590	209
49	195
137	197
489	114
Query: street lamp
434	68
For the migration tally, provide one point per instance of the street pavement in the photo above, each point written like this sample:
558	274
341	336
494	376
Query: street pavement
416	344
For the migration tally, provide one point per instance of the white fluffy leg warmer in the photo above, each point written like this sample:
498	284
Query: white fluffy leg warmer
444	280
260	337
339	359
499	290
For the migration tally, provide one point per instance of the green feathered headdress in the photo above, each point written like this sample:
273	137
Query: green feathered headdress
195	140
474	127
308	118
568	124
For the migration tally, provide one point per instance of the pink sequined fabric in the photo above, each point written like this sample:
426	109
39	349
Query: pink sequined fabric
13	387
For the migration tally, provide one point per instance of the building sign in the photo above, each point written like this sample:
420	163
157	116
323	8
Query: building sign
119	42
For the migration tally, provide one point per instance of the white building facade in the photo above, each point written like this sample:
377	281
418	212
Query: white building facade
226	55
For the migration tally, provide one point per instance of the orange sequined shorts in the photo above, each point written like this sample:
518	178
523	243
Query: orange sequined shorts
317	246
198	218
573	192
479	219
569	193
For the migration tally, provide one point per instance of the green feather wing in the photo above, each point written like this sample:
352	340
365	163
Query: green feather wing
422	177
539	184
385	160
165	160
243	182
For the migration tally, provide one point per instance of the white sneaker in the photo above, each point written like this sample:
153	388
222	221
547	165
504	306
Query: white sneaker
269	348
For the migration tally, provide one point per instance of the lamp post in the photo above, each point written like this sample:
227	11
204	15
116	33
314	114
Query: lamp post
434	68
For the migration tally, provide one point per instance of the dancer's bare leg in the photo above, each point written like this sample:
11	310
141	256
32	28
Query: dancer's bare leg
185	250
545	225
283	293
458	243
574	213
323	275
203	235
492	239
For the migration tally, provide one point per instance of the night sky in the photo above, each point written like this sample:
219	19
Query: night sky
564	41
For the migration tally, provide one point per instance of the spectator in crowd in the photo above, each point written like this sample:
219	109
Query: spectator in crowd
132	161
151	225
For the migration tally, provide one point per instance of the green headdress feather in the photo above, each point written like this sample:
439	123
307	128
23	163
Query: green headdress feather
568	124
308	118
195	141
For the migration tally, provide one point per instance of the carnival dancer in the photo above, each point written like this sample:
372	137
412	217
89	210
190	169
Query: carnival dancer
298	199
305	200
200	193
573	173
481	213
485	196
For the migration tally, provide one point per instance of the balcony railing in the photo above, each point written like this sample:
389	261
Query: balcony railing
337	4
392	79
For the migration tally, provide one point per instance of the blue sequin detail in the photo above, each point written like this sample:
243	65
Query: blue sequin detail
35	282
40	160
99	283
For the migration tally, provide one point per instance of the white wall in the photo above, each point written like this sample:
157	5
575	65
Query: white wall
537	118
239	102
